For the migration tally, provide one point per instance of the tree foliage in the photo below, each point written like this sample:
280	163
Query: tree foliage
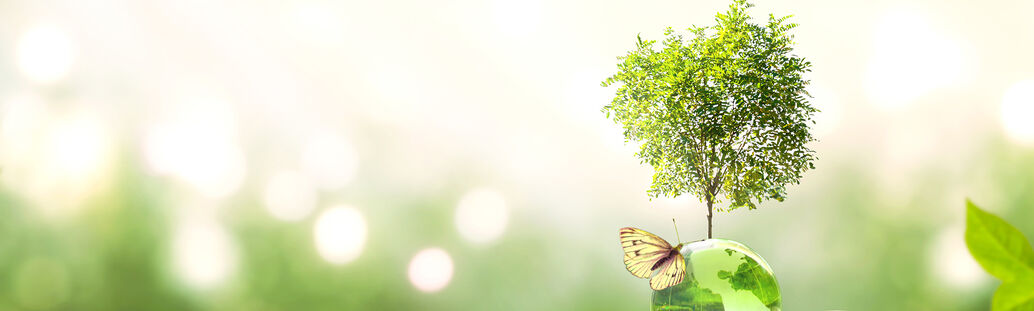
723	111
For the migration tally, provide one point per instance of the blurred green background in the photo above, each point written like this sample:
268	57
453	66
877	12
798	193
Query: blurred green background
451	155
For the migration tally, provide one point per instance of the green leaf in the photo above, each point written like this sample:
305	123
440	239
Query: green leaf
1014	296
998	246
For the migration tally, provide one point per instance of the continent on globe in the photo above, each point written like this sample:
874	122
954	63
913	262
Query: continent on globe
721	275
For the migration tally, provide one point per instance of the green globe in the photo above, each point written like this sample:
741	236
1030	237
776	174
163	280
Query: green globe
721	275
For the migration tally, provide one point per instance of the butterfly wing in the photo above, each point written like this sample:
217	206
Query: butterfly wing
642	251
671	273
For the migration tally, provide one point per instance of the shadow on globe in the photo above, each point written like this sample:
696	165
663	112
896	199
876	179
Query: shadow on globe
721	275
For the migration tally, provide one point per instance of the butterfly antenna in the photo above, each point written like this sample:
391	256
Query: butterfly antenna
676	230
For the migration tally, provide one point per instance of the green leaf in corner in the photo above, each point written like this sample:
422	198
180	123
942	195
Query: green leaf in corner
998	246
1015	296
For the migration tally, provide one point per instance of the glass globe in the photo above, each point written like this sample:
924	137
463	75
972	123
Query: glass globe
721	275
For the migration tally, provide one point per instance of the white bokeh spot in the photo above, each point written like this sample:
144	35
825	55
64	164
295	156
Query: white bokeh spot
45	53
430	270
1018	112
952	263
79	146
58	161
204	254
196	142
911	58
481	215
340	234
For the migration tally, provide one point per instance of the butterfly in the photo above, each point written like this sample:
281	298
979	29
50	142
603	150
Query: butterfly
647	254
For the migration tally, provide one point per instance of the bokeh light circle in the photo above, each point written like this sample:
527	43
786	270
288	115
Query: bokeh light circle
45	53
481	215
75	161
952	263
340	234
911	58
289	196
47	151
1018	112
79	146
430	270
204	255
196	142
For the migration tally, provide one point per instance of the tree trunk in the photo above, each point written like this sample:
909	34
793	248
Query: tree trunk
710	203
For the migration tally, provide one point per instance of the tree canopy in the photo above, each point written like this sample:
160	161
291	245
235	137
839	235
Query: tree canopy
722	111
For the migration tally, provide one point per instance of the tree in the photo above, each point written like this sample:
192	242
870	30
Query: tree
722	113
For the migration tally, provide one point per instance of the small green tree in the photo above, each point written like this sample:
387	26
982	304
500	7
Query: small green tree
724	112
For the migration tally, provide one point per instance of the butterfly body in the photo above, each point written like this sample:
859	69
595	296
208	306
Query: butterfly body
648	255
671	256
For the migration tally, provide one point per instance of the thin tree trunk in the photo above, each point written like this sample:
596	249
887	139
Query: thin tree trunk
710	203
